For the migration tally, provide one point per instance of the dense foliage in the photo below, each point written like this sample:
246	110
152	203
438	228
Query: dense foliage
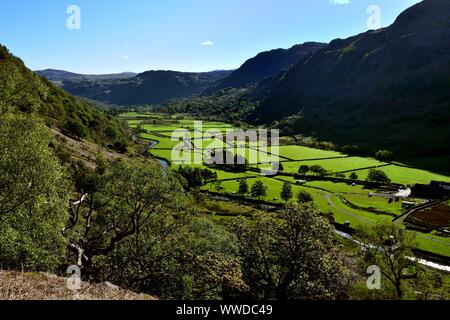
23	90
291	258
34	196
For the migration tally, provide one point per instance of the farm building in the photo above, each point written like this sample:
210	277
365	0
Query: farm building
435	190
406	205
441	185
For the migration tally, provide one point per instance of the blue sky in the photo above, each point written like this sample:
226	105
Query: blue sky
139	35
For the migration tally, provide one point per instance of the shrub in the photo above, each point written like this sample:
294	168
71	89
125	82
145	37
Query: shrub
76	128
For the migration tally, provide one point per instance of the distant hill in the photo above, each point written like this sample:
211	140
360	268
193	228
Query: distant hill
387	88
264	65
61	75
151	87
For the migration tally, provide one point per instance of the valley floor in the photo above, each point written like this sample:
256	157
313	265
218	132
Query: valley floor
351	204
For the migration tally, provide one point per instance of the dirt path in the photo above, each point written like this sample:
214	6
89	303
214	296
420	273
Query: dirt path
331	204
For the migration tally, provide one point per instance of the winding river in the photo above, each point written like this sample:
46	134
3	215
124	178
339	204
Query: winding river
424	262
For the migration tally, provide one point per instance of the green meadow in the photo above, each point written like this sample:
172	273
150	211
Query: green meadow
346	202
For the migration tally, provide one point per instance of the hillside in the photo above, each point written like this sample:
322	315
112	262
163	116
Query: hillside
151	87
59	76
24	91
376	89
264	65
40	286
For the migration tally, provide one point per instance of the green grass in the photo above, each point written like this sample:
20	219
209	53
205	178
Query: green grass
336	165
328	195
163	143
341	212
408	176
131	115
357	195
433	244
302	153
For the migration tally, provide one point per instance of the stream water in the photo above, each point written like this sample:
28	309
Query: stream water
424	262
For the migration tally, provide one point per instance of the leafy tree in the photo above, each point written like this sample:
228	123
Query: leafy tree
429	282
76	128
221	160
350	149
259	190
119	204
389	247
286	192
176	258
304	197
120	146
218	185
303	170
340	175
33	195
197	177
384	155
318	170
243	187
378	176
294	257
354	176
20	89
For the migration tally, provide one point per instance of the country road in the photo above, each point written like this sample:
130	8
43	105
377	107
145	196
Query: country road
331	204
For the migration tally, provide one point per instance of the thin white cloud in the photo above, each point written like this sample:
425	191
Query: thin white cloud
124	57
340	2
207	43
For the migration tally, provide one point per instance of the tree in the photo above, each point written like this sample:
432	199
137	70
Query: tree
197	177
34	195
184	258
243	187
378	176
259	190
75	127
119	204
318	170
304	197
286	192
350	149
303	170
384	155
354	176
340	175
429	282
19	88
390	248
294	257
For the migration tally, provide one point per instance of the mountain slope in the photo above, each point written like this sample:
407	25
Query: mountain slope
21	90
151	87
389	87
265	65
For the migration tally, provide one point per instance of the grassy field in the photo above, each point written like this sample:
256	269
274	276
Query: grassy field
408	176
304	153
337	164
346	202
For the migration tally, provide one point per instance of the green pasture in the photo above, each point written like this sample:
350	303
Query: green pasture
295	152
330	197
336	165
405	175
